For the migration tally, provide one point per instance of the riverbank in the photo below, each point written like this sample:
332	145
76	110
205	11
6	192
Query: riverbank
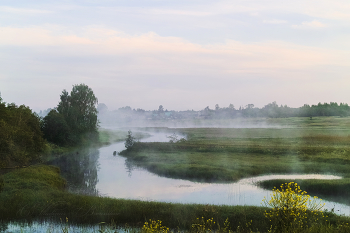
37	193
105	138
227	155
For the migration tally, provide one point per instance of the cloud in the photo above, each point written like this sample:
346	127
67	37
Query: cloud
152	53
179	12
146	67
275	21
310	25
324	9
14	10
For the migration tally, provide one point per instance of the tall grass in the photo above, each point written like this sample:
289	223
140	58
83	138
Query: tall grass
37	193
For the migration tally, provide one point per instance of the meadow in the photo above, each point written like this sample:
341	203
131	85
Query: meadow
220	155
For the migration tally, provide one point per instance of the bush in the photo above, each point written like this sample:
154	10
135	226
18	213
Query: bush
292	210
154	227
129	141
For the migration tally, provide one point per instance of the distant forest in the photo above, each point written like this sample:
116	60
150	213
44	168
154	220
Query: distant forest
271	110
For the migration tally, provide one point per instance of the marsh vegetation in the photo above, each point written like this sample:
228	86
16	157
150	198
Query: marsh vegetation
222	155
42	192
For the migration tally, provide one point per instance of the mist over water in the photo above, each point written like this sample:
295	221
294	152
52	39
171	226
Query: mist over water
137	183
239	123
98	172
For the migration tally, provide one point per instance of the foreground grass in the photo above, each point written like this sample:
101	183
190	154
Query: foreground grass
331	190
37	193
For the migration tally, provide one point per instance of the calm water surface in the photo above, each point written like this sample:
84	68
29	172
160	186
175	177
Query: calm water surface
120	179
98	172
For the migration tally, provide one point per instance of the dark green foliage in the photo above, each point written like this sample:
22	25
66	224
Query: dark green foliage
79	109
55	128
75	120
1	183
21	139
129	141
84	165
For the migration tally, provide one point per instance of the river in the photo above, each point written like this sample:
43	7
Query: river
99	172
114	176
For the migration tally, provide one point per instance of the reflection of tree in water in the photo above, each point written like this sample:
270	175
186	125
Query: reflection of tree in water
129	166
80	170
3	226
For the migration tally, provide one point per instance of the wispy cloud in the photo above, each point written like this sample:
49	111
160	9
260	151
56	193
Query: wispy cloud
310	25
152	53
15	10
200	51
275	21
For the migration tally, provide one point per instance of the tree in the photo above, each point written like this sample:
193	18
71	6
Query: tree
129	141
21	139
173	138
79	111
161	109
125	109
55	128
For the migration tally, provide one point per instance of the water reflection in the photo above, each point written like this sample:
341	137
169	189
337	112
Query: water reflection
120	179
80	169
99	172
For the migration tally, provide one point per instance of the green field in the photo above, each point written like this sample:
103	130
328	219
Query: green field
298	145
293	145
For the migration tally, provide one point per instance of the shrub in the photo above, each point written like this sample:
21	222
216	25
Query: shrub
292	209
129	141
154	227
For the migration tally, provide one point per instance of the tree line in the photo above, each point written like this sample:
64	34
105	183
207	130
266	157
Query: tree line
24	136
272	110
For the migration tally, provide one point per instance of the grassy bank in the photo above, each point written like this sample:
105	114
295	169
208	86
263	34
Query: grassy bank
332	190
226	155
37	193
209	154
107	136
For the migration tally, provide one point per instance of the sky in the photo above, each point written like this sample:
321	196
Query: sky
179	54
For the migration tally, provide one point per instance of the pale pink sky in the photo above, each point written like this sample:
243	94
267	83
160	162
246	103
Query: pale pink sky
181	54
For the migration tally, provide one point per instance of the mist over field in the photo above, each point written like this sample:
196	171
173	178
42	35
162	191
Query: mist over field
182	113
270	116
